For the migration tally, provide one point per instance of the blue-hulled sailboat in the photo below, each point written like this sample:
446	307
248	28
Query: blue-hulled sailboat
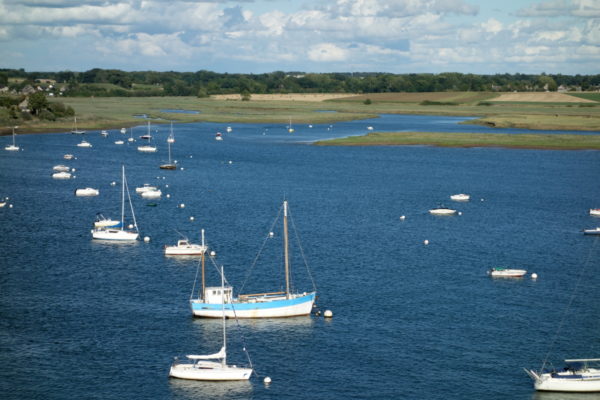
212	302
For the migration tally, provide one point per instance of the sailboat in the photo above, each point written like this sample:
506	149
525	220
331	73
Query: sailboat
147	148
258	305
578	375
202	367
170	164
171	138
131	139
118	232
290	129
76	131
13	146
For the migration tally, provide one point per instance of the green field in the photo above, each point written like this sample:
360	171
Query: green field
520	141
115	112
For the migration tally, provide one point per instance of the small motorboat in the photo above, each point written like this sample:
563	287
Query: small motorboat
595	212
151	194
507	272
229	129
86	192
84	143
218	136
61	175
460	197
185	248
60	168
123	130
579	375
441	210
593	231
119	142
145	188
104	133
68	156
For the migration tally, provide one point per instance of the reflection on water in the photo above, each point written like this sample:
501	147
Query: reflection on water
187	389
297	324
565	396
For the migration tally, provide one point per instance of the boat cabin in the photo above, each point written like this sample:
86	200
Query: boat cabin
214	296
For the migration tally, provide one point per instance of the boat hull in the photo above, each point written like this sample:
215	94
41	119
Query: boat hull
595	231
567	382
197	250
507	273
114	234
264	307
442	211
209	371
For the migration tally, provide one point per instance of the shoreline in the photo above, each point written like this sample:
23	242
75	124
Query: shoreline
470	140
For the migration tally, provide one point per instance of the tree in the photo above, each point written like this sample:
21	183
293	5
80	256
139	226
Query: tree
245	94
37	102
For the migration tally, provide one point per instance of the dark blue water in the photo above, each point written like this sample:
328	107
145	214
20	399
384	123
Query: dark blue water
81	319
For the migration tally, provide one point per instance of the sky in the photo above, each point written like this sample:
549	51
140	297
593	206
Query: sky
260	36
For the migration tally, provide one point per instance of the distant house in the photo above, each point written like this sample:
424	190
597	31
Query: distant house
46	81
28	90
562	89
24	105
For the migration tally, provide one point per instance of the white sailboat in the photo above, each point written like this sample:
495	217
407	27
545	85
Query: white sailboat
211	367
147	148
258	305
170	165
578	375
171	138
290	129
76	131
13	146
119	233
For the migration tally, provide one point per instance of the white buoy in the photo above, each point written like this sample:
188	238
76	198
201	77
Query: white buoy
182	205
213	253
191	156
167	185
230	162
168	196
191	218
181	168
328	314
460	213
113	183
10	206
481	199
426	242
271	234
534	276
402	218
73	170
165	178
146	239
130	226
267	380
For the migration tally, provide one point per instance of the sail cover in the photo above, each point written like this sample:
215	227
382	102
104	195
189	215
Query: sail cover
219	355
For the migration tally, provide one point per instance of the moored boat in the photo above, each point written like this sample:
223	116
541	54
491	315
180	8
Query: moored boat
145	188
104	222
592	231
119	233
68	156
185	248
201	368
86	192
151	194
595	212
507	272
286	303
579	375
61	175
13	146
84	143
61	168
460	197
441	210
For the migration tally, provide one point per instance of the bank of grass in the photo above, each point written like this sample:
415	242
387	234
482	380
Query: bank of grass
116	112
443	139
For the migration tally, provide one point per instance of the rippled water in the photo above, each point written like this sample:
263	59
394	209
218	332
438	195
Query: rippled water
83	319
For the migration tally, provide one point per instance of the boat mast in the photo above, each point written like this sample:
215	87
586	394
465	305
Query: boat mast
224	359
122	196
286	251
203	282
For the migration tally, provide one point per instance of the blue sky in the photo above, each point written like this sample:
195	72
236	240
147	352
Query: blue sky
398	36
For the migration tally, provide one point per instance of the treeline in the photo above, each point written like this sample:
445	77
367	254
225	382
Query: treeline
110	82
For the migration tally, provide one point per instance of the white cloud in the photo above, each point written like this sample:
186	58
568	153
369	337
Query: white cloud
492	26
327	52
562	8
